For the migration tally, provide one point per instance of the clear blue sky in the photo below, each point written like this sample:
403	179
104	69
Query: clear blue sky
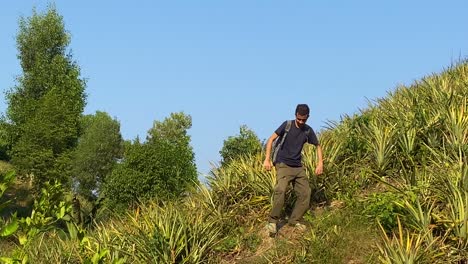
229	63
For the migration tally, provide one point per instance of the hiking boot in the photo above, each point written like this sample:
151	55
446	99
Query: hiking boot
271	227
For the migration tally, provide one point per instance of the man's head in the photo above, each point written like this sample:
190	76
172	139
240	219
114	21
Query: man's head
302	109
302	113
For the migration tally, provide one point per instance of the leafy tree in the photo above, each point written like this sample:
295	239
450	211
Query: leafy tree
5	143
45	106
99	147
162	167
178	160
246	143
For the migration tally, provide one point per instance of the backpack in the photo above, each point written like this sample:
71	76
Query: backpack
278	143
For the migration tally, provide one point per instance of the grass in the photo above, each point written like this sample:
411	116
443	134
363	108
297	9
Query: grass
341	236
333	235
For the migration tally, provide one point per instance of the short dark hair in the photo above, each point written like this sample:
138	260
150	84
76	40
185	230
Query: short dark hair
302	109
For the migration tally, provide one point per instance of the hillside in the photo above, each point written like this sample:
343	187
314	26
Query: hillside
394	190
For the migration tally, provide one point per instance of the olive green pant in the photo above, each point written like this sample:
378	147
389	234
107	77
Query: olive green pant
298	176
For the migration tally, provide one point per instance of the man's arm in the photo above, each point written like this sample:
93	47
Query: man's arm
267	163
319	168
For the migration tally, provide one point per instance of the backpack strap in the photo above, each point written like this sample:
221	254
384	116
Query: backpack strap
280	146
307	132
286	131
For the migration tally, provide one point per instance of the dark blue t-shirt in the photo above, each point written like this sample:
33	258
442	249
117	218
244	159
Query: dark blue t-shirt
290	152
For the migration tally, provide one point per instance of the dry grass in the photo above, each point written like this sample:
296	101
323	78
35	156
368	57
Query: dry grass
334	234
5	167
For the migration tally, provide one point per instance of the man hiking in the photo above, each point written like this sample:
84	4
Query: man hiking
291	135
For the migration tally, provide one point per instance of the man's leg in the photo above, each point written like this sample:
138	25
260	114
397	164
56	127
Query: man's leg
283	177
302	190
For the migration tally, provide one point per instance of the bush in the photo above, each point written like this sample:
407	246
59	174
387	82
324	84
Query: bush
384	208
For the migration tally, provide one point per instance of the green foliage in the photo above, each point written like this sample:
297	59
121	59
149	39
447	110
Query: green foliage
349	133
48	210
45	106
73	245
185	238
5	143
6	180
251	242
384	208
9	229
380	143
153	233
405	248
339	236
162	167
242	186
6	228
454	216
174	155
99	147
245	144
127	185
239	239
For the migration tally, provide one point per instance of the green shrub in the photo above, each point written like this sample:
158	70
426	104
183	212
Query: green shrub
383	208
163	167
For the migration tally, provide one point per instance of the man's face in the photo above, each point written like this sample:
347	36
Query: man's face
301	120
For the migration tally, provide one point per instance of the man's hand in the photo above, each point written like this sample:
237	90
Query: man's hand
267	164
319	169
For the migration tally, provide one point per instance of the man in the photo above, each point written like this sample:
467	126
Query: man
289	168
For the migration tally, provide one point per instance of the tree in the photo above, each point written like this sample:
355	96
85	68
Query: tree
162	167
246	143
45	106
5	143
177	159
99	147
